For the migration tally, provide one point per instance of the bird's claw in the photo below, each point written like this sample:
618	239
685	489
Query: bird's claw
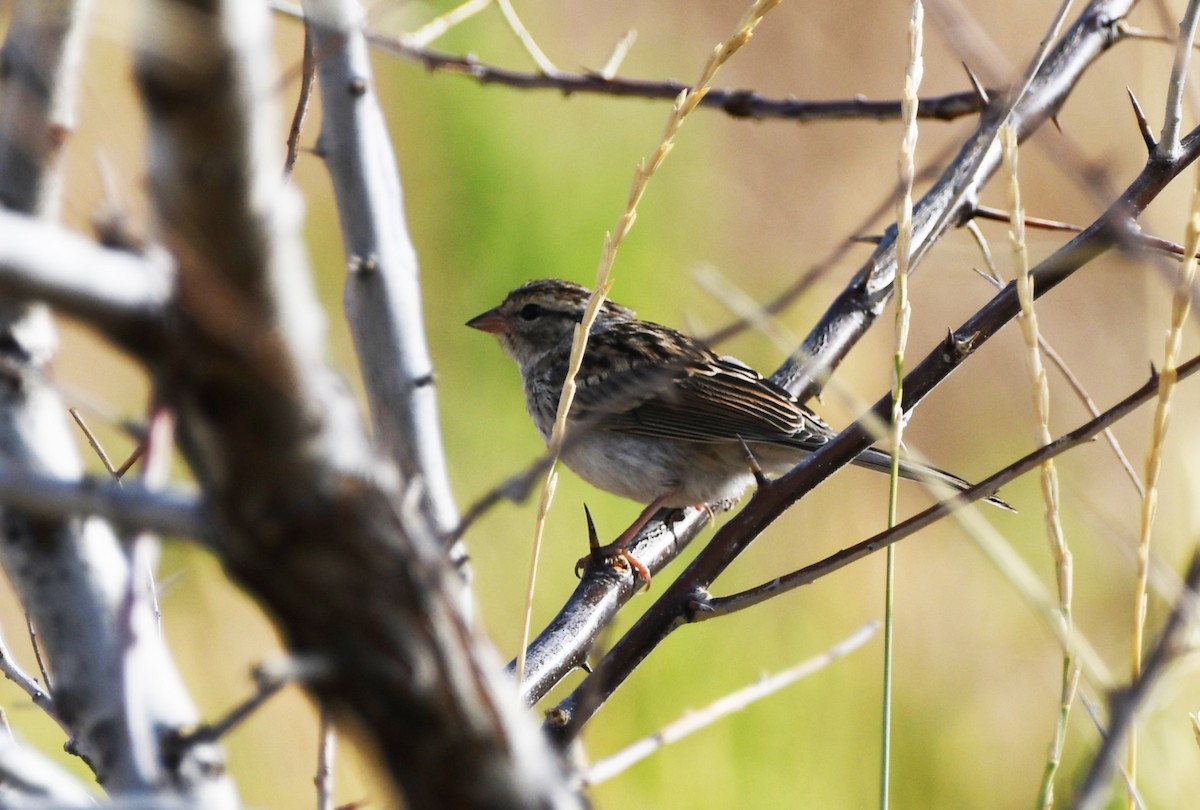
616	555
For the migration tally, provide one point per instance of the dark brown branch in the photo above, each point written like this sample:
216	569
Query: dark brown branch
674	606
737	103
989	486
951	198
308	73
566	641
268	683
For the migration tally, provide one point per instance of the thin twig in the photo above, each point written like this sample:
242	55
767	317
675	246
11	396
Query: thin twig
619	52
737	103
12	670
37	652
326	746
308	72
804	576
268	682
993	278
95	443
1077	386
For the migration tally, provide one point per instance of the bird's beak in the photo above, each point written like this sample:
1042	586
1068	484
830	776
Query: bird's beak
489	321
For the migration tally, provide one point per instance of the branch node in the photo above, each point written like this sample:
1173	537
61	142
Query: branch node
558	717
959	346
699	601
362	264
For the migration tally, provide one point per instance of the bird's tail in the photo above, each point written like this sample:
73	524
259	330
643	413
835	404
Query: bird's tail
881	460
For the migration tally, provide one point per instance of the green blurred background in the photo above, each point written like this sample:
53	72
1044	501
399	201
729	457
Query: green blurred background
504	185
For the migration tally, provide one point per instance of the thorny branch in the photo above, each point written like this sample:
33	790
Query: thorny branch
672	609
736	103
564	644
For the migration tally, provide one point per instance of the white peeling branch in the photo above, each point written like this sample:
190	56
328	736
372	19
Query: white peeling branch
383	290
30	781
72	576
176	513
117	292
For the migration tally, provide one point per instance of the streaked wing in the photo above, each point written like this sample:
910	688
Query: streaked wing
664	384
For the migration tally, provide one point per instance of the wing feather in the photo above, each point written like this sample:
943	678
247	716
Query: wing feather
663	384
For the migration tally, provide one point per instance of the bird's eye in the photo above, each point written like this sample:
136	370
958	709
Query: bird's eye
531	312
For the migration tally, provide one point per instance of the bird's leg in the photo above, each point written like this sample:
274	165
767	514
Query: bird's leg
619	547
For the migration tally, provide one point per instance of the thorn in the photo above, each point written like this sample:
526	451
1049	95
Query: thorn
586	667
1153	372
867	238
1057	124
1143	124
755	469
980	92
593	539
995	282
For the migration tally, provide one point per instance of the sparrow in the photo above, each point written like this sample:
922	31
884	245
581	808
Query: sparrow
658	416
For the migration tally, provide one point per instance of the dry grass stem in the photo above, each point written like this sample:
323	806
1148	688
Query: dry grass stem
438	26
683	106
904	242
525	38
1056	360
1049	474
1181	303
619	52
732	703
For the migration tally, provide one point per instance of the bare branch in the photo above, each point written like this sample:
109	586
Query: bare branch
120	293
674	606
30	780
178	514
713	608
308	73
12	670
951	197
1168	144
383	290
115	690
737	103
